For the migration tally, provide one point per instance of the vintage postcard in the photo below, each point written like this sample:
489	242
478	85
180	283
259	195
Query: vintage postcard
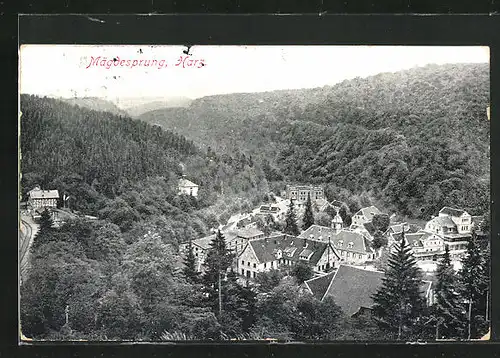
284	193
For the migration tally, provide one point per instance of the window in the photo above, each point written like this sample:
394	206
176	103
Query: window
254	275
242	262
340	243
348	254
350	245
248	264
243	272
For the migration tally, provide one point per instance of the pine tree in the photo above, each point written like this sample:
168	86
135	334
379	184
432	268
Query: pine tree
308	219
217	263
449	316
190	272
46	220
472	278
398	302
291	227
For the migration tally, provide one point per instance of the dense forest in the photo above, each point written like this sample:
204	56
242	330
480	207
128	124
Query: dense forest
411	141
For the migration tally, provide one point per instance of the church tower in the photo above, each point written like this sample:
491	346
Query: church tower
337	223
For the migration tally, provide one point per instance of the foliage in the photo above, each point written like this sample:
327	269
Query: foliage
308	218
448	311
189	269
472	277
302	271
381	222
291	226
379	240
398	303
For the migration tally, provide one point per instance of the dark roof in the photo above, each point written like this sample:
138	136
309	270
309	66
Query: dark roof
290	246
451	211
341	240
370	228
318	285
337	203
477	220
352	288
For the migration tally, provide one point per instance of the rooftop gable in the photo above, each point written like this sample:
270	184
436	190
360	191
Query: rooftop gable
318	285
184	183
452	211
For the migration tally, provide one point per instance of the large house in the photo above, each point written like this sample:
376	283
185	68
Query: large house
236	240
279	250
275	210
39	199
454	226
352	247
352	288
365	215
299	193
424	245
187	187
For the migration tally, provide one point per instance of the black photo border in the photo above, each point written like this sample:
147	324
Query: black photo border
218	29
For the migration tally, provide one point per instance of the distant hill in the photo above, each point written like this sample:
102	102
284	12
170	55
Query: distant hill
96	104
413	140
138	106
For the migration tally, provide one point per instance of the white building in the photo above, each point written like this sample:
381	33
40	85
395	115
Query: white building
187	187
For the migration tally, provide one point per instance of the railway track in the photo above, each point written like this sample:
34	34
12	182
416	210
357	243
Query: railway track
25	238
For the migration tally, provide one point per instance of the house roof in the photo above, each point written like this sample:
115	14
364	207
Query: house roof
204	242
248	233
443	221
337	203
369	212
43	194
291	247
398	228
352	287
477	220
340	240
184	183
318	285
452	211
369	227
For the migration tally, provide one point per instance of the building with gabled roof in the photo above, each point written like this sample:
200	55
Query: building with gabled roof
454	226
365	215
352	246
424	245
236	240
352	288
279	250
317	286
38	198
187	187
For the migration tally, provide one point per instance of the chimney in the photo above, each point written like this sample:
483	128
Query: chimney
305	243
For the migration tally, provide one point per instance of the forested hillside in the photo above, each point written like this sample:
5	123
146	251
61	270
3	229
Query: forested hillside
411	141
96	104
105	161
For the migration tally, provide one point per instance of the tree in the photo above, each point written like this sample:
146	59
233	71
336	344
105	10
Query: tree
381	222
217	263
189	269
308	218
379	240
448	310
398	302
268	280
472	277
302	272
291	227
46	221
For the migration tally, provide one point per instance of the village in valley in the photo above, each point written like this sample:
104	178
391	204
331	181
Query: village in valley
333	212
344	258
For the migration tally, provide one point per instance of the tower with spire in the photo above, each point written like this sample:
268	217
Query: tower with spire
337	223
